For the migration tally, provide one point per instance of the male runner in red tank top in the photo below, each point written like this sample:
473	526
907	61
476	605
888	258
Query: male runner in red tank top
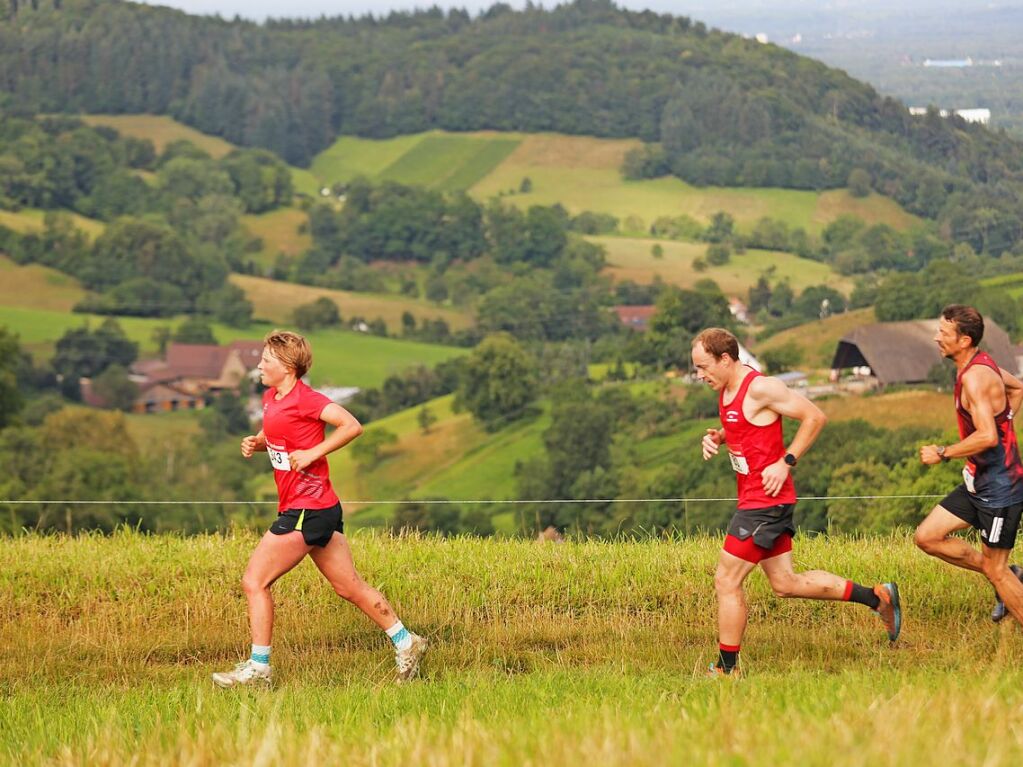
751	408
990	497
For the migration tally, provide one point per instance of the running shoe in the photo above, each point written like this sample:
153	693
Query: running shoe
998	611
714	671
408	660
890	609
244	673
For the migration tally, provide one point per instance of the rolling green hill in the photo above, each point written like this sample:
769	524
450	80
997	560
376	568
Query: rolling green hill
275	301
632	259
162	130
341	358
581	173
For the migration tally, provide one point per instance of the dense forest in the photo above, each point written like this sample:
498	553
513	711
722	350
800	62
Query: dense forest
714	108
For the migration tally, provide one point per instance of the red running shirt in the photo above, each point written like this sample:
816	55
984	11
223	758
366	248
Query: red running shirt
293	423
751	449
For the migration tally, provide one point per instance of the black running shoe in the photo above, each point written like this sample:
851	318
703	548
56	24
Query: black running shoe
998	611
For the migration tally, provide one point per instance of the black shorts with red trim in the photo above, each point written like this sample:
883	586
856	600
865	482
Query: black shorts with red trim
758	534
316	525
998	527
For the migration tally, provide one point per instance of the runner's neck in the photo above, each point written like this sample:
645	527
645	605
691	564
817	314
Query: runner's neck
285	389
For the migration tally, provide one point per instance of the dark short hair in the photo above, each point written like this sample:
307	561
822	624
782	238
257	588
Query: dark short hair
968	320
717	342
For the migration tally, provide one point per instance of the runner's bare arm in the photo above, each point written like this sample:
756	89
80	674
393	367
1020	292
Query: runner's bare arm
346	428
981	388
1013	390
252	443
771	394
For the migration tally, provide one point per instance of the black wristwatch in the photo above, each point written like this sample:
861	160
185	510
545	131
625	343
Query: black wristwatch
790	459
940	450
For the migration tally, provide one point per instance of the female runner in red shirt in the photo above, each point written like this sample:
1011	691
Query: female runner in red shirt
309	513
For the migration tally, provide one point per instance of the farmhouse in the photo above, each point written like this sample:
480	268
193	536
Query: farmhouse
905	352
191	371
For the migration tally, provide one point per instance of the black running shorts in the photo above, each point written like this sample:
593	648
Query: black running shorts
998	527
764	525
316	525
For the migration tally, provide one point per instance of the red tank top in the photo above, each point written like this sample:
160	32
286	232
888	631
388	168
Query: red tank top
994	476
751	449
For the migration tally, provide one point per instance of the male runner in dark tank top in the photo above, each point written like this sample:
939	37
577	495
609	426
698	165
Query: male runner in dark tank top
990	497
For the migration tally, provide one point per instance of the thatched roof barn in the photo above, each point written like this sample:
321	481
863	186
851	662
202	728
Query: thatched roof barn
905	352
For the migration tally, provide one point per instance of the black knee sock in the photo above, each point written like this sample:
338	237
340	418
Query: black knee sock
863	595
728	657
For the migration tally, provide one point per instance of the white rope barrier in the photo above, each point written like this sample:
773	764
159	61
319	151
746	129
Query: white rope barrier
470	501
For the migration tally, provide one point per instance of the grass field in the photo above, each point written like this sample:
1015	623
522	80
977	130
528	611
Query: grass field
163	130
583	173
631	259
275	301
1012	283
574	654
39	287
894	410
32	220
819	339
341	358
457	460
281	233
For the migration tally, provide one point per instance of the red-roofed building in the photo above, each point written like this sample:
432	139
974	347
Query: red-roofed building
635	317
191	371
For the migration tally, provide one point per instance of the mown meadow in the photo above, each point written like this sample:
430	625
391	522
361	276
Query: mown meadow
576	653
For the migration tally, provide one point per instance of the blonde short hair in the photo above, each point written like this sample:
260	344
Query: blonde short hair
291	349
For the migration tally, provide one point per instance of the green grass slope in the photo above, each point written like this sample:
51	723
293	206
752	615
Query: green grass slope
162	130
575	654
341	358
276	301
630	258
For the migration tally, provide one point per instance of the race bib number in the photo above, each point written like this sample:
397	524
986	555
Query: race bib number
968	479
739	464
279	458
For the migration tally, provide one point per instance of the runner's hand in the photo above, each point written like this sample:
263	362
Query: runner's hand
300	459
251	444
711	440
929	455
774	476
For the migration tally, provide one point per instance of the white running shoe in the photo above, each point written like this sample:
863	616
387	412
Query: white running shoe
408	660
245	672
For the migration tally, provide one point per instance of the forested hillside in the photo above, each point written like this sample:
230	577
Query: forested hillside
715	108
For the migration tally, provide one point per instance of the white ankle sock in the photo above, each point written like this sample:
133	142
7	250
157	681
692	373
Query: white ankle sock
400	636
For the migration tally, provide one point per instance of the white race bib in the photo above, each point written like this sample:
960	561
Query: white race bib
279	458
968	479
739	464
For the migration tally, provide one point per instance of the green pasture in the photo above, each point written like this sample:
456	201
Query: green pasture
341	358
1012	283
438	159
456	459
276	301
36	286
283	231
583	653
162	130
630	258
33	220
818	339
